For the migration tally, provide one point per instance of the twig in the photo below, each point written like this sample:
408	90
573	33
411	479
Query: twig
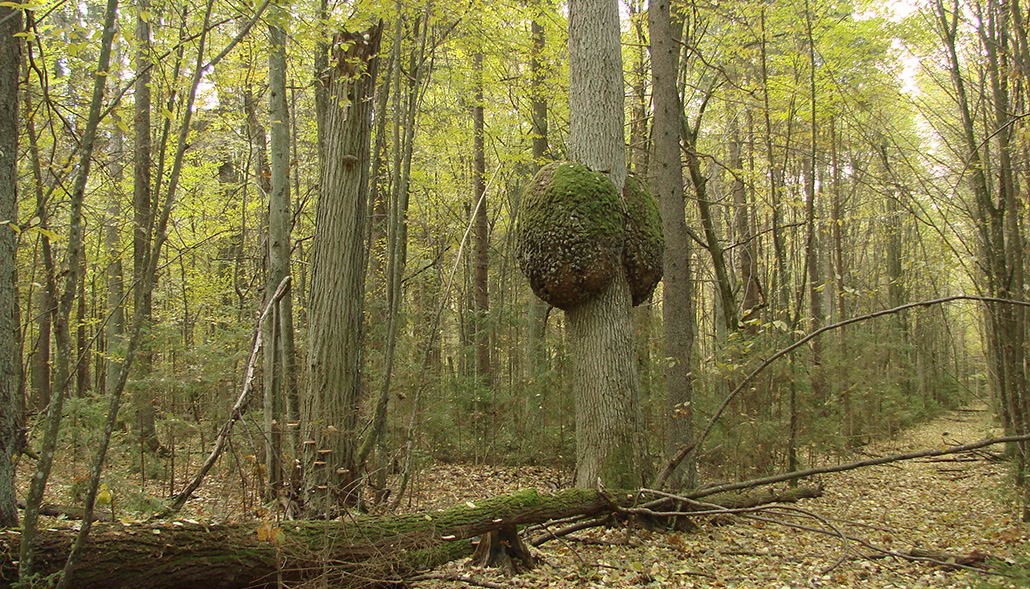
583	525
800	474
467	579
915	555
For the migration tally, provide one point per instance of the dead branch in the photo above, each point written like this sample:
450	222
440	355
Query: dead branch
800	474
687	449
68	511
466	579
235	413
916	554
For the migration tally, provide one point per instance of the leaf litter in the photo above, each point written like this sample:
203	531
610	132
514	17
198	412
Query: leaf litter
960	506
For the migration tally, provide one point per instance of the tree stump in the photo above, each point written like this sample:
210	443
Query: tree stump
504	548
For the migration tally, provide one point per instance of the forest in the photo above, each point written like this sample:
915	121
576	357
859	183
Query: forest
514	293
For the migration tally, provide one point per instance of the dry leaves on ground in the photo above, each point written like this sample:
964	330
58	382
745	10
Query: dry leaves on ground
958	506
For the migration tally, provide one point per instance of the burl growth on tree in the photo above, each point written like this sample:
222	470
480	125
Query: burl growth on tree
576	232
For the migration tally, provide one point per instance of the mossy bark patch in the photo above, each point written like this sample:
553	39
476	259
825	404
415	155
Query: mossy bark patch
575	230
351	552
644	242
570	233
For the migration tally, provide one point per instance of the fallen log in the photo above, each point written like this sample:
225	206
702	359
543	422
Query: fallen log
68	511
359	551
356	552
727	500
743	500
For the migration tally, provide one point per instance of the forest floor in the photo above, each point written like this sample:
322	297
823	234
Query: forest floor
955	504
960	504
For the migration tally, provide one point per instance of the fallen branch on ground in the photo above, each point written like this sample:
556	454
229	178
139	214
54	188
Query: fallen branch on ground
359	551
467	579
800	474
686	450
67	511
738	501
941	559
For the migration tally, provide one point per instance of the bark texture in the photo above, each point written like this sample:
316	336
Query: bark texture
278	326
481	230
10	351
677	306
337	283
353	552
143	217
604	364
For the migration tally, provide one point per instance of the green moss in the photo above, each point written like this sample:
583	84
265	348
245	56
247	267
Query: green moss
645	244
573	234
570	233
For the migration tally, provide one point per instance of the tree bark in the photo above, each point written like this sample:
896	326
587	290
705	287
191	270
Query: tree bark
40	359
601	331
337	284
747	256
354	552
536	329
812	259
481	229
115	329
143	219
10	348
280	321
677	304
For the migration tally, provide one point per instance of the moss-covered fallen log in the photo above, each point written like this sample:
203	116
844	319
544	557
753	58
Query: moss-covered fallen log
359	551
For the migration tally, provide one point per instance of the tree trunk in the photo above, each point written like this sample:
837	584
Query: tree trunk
276	354
677	304
40	359
727	305
354	552
10	349
115	329
82	348
337	284
812	260
358	551
747	258
601	331
536	330
143	220
480	232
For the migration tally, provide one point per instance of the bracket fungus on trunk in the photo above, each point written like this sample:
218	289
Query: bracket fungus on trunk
576	232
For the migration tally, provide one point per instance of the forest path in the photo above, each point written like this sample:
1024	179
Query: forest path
959	506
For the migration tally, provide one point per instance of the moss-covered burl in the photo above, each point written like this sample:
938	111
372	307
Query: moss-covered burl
576	231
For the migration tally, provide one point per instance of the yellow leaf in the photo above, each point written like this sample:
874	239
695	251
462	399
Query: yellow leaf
104	496
267	533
